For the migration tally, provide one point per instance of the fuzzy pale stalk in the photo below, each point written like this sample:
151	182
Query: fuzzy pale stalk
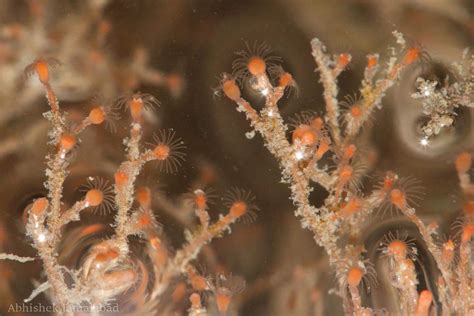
273	130
432	247
404	279
329	81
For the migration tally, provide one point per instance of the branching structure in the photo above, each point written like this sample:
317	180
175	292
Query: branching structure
110	269
306	158
441	99
80	41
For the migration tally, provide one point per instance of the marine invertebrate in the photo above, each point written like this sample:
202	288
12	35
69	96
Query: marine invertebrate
336	224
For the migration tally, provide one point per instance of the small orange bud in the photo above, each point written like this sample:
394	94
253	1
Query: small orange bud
411	55
136	108
285	80
424	302
256	66
223	302
323	147
463	162
231	90
469	208
467	232
238	209
199	283
39	206
306	135
97	116
372	61
67	141
200	200
94	197
398	198
397	248
346	173
161	152
143	197
344	59
350	151
354	276
179	292
317	123
42	70
121	178
448	251
355	111
353	206
195	300
144	220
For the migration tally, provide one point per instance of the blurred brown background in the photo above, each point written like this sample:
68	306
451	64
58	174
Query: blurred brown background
197	39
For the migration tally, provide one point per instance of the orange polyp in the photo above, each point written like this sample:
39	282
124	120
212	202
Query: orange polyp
463	162
344	59
39	206
94	197
155	242
143	197
195	300
199	283
223	302
238	209
144	220
353	206
467	232
231	90
41	68
162	256
356	111
200	200
136	108
398	198
161	252
388	181
322	149
285	80
371	61
448	251
91	229
298	132
309	138
424	302
306	135
175	83
179	292
97	116
67	141
256	66
104	27
121	178
346	173
469	208
107	255
349	151
161	152
317	123
411	55
354	276
397	248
